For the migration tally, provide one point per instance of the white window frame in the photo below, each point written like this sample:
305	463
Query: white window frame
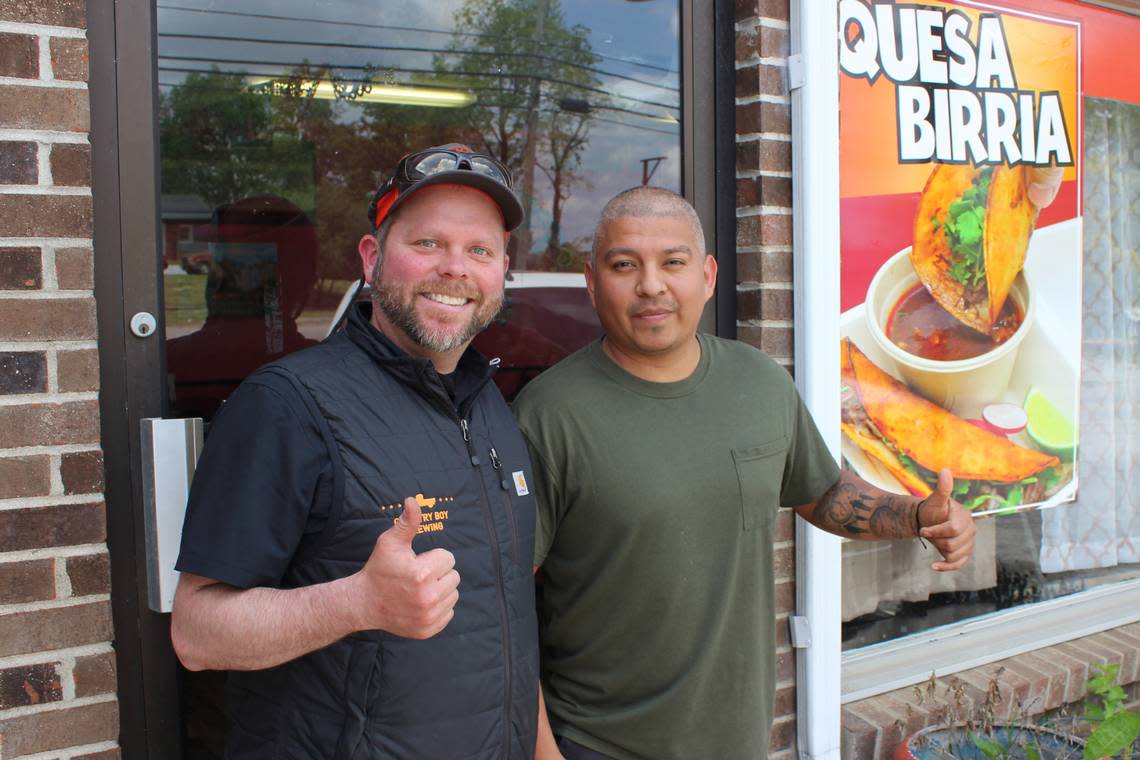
826	677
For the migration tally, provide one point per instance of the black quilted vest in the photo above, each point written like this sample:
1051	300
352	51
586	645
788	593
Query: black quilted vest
472	690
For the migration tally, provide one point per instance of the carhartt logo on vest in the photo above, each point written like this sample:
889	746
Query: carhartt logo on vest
520	483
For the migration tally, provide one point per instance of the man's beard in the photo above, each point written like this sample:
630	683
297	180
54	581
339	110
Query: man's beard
398	304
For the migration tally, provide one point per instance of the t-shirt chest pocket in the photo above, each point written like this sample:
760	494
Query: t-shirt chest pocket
760	471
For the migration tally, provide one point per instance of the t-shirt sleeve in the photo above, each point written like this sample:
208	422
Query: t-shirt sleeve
546	498
810	468
263	468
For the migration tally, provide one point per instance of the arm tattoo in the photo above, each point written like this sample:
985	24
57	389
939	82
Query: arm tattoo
853	508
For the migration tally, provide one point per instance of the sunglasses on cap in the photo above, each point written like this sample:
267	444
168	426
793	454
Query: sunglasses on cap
416	167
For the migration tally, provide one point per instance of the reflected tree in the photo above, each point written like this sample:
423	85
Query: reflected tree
536	86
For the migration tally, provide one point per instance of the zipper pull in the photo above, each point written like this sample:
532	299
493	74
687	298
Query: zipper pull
498	465
467	439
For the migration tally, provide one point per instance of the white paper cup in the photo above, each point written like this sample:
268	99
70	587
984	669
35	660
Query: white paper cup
963	386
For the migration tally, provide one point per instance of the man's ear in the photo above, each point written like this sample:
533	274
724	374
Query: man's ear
369	249
710	276
589	272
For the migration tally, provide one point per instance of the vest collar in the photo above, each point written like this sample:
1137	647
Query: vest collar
471	374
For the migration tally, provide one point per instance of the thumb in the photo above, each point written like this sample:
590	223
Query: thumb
937	504
1044	182
404	527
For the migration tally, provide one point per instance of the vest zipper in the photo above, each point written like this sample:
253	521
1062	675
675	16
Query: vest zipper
504	618
504	484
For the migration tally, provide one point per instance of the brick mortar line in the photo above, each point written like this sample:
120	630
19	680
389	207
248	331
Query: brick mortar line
41	398
747	100
44	345
28	399
50	278
55	552
755	22
46	295
43	84
56	475
765	323
52	604
37	502
751	137
39	29
746	211
747	285
44	135
63	589
19	712
42	189
762	249
47	71
779	61
744	138
757	174
51	360
43	156
27	451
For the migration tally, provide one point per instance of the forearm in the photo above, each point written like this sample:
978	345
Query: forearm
546	748
219	627
853	508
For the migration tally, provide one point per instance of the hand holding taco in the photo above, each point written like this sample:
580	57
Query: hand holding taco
971	233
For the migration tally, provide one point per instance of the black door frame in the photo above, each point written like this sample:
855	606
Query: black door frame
122	36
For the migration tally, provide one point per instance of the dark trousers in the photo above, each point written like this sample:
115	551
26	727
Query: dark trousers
575	751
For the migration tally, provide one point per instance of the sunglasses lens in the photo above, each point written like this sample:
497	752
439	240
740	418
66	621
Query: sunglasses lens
490	169
428	164
433	163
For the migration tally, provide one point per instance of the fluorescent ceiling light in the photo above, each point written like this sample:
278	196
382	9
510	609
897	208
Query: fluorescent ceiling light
380	93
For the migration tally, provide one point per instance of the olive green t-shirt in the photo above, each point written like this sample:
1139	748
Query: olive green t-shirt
656	515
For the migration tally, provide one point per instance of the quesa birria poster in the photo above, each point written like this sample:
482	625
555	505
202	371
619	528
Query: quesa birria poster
960	130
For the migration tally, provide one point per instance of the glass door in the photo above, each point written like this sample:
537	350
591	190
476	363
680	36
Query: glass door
277	119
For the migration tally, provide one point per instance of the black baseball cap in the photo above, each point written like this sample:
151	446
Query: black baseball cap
451	164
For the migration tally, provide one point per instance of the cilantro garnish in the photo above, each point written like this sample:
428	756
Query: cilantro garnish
965	225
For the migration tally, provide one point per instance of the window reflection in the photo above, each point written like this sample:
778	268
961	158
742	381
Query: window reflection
309	103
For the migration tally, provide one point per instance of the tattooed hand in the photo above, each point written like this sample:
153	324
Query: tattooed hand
946	525
853	508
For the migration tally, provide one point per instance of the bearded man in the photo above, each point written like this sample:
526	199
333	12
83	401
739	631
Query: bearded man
344	492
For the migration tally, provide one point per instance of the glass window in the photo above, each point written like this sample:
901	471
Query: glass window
1068	520
1036	556
277	120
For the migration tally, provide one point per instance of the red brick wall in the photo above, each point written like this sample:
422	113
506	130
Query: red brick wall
764	268
57	667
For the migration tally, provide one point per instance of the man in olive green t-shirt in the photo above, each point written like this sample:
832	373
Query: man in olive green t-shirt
661	458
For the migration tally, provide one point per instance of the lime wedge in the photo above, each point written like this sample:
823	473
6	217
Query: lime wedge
1052	431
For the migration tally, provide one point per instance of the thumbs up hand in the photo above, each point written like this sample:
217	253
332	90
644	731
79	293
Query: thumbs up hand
401	592
948	526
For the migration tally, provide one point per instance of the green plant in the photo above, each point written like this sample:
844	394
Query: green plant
966	730
1116	729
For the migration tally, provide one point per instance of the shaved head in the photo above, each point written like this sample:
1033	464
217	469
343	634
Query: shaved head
645	201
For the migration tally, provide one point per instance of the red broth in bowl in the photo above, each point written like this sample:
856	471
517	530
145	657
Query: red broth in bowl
918	325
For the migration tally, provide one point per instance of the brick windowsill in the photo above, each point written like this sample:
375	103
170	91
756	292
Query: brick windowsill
1041	681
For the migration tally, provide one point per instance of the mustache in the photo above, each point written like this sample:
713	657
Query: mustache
659	304
449	288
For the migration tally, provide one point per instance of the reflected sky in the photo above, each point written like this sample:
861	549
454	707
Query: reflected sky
633	96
